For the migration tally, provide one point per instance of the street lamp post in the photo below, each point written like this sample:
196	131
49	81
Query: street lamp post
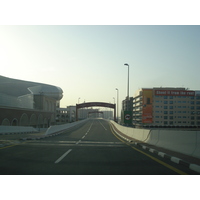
117	102
128	80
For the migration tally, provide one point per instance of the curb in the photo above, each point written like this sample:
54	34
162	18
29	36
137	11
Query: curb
176	160
41	137
13	133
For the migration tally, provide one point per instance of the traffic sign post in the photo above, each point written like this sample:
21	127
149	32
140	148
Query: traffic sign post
128	118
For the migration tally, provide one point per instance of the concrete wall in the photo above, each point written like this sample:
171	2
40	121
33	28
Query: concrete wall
63	127
186	142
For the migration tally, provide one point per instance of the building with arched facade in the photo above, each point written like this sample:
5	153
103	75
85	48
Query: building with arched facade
25	103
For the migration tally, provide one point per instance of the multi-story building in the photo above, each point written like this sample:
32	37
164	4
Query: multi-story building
166	107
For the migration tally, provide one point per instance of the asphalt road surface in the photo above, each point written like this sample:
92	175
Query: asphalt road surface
92	149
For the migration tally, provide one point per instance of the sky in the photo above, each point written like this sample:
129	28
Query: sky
87	62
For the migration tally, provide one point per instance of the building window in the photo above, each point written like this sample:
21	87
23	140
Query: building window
165	102
171	107
165	112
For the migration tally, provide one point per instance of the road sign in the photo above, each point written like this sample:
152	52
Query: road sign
127	117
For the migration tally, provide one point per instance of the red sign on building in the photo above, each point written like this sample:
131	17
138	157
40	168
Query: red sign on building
174	93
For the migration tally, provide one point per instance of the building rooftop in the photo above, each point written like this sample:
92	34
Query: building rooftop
16	88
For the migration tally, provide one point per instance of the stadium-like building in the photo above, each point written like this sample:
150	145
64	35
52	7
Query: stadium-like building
25	103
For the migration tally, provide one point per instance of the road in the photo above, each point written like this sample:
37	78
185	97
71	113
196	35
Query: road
92	149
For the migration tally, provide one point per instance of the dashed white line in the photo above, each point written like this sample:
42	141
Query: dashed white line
59	159
78	142
103	125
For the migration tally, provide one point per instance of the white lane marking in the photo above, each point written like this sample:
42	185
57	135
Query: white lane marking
78	142
102	125
86	133
59	159
90	127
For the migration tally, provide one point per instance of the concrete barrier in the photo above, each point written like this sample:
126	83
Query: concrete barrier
186	142
196	152
63	127
17	129
179	141
135	133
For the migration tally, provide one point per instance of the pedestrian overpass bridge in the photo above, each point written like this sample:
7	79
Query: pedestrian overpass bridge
95	104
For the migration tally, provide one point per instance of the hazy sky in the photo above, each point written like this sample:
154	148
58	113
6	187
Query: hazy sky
88	61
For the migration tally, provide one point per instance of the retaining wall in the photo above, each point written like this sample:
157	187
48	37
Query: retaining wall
186	142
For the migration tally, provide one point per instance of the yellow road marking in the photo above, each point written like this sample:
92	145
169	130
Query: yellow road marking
12	145
153	158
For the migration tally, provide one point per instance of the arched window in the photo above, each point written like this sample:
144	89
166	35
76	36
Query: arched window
24	120
5	122
14	122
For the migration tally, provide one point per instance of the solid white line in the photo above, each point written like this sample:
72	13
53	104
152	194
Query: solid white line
59	159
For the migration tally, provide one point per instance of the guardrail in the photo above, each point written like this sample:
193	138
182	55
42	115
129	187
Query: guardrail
186	142
63	127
